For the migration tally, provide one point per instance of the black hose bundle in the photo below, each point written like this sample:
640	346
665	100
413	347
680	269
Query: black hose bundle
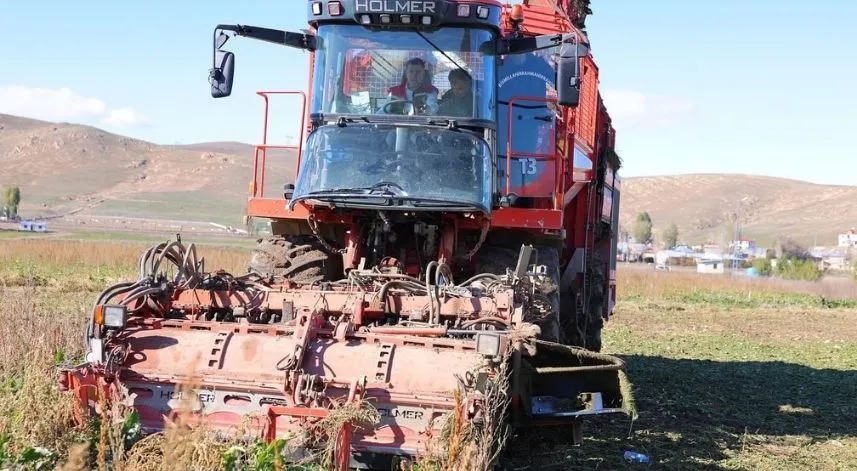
157	284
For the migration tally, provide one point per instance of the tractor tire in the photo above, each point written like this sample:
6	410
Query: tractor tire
585	331
597	298
496	259
300	259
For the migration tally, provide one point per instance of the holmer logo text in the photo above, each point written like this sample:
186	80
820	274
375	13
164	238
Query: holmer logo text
395	6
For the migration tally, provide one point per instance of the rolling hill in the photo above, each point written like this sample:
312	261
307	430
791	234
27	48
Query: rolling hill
703	206
68	168
63	168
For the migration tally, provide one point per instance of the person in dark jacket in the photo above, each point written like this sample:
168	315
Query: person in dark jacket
458	101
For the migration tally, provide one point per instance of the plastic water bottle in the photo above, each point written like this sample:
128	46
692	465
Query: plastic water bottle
636	457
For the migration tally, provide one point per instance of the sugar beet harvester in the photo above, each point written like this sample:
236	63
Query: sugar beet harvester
446	140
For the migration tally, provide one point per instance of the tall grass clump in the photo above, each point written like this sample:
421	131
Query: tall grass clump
46	291
35	417
763	266
793	268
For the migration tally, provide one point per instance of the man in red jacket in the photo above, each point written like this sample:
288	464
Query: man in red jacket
416	88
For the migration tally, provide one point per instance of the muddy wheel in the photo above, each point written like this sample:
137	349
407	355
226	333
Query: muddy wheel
585	330
496	259
301	259
597	299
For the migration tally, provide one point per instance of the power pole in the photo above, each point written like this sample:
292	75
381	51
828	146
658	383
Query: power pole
736	244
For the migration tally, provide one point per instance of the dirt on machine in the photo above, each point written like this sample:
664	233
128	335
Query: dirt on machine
442	266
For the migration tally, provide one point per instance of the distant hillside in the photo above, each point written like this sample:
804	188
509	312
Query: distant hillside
63	168
237	148
703	207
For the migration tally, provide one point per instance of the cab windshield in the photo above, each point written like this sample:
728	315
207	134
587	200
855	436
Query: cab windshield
405	72
377	165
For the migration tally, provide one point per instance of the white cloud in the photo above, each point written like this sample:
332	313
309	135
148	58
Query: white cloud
64	104
124	117
49	104
630	108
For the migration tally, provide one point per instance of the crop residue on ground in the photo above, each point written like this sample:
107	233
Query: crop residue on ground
728	374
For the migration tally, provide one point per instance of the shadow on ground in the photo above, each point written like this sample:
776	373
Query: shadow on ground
695	414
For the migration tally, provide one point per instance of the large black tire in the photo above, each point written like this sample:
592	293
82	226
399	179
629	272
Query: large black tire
597	298
301	259
585	331
496	259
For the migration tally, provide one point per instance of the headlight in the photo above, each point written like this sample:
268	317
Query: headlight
491	344
111	316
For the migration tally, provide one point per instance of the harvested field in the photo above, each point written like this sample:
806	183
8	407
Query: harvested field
728	374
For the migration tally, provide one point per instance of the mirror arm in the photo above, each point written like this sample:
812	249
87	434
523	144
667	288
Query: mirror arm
274	36
521	45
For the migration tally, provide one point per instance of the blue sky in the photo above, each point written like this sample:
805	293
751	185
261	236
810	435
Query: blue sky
764	87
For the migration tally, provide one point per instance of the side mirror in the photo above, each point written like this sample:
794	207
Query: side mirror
568	82
568	73
223	68
222	74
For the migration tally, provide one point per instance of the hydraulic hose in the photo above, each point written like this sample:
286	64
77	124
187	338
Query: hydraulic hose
478	277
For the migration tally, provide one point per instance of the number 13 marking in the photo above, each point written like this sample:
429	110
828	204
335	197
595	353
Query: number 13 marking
528	166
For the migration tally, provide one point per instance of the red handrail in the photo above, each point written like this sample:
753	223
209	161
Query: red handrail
258	187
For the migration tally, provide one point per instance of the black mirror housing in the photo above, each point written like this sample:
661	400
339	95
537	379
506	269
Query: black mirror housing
223	69
222	75
568	82
568	75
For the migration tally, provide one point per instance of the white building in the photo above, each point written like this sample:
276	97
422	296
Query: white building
710	265
848	239
829	258
32	226
744	244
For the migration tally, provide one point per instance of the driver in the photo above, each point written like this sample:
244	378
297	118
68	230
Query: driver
416	88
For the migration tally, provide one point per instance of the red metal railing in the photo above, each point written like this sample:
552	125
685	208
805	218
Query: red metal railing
558	162
260	157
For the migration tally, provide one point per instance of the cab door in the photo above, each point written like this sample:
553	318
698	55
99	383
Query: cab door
527	124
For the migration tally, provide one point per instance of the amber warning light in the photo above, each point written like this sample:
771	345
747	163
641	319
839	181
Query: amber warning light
112	317
517	12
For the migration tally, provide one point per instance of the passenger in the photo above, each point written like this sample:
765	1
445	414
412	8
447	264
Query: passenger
416	88
458	100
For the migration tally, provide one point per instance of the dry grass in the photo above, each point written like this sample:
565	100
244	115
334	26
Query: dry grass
728	374
647	283
46	290
75	266
108	255
467	446
33	413
178	447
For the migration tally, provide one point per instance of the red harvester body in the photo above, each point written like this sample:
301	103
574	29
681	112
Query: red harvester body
406	184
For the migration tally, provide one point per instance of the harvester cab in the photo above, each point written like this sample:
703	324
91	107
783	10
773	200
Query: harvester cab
444	258
404	101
